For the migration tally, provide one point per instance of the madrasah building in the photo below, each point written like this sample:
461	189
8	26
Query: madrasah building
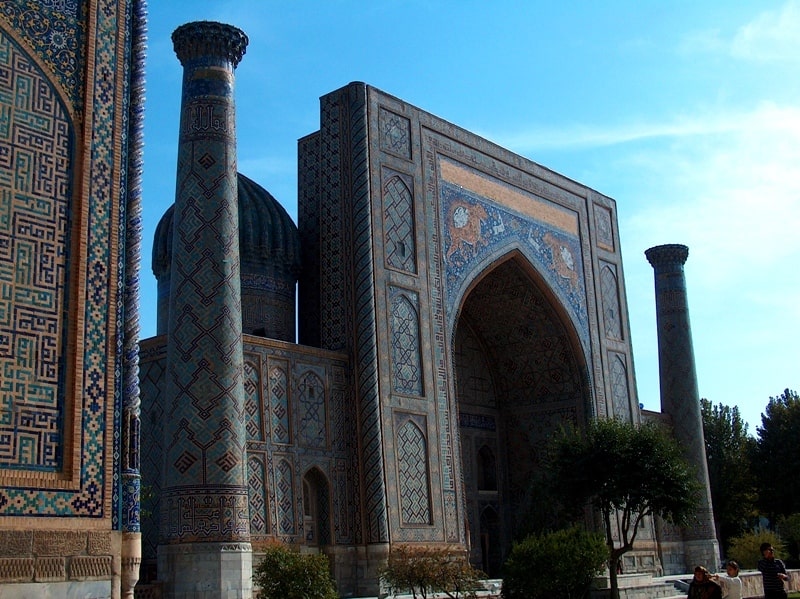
386	371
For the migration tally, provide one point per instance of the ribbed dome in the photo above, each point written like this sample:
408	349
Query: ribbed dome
267	235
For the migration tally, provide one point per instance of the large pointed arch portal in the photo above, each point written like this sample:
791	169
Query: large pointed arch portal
520	374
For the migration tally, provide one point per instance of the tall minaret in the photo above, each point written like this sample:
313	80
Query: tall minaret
204	550
679	396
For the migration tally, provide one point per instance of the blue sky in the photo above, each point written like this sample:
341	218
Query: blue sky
686	113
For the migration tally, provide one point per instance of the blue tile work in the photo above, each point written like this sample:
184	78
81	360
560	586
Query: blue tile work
406	350
476	228
204	498
55	29
412	463
35	161
131	232
91	481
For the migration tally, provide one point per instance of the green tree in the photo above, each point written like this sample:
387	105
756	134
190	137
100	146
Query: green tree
777	456
746	548
627	473
537	566
788	528
287	574
733	487
424	570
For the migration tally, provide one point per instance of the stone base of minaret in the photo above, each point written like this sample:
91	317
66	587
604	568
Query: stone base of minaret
704	552
206	570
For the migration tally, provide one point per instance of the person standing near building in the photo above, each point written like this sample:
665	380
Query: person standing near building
773	573
731	584
703	586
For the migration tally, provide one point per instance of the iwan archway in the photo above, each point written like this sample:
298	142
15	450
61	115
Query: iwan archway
520	374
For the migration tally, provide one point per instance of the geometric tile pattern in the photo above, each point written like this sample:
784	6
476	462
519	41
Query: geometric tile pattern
412	458
279	405
679	393
332	230
349	314
609	291
398	223
206	413
284	492
406	354
619	386
133	146
312	426
93	468
35	164
259	519
604	228
252	400
395	133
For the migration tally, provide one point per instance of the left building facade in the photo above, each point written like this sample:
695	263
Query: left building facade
71	118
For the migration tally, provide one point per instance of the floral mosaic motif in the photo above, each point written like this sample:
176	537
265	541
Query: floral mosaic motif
475	227
412	457
54	29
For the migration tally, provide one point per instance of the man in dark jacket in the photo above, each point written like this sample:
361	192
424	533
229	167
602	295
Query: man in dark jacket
773	573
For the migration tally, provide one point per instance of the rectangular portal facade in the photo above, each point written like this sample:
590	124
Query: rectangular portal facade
481	299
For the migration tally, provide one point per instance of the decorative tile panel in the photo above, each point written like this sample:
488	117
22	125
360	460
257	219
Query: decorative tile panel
620	391
312	428
259	512
398	223
413	476
395	133
35	180
609	291
279	404
406	354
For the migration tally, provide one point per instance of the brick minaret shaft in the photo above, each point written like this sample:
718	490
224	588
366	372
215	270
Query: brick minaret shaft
205	535
679	395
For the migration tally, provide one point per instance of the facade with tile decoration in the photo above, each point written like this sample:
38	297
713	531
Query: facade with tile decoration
454	303
71	84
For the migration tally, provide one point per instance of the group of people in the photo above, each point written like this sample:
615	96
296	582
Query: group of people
705	585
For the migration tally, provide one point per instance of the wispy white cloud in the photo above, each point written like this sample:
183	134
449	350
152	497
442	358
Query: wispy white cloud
772	35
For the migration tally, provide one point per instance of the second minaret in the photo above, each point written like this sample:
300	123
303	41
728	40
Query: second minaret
205	536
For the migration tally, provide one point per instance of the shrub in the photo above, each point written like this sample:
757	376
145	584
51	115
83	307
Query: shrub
426	570
286	574
745	548
789	530
556	564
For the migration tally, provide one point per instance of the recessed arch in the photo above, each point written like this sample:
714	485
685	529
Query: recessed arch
521	373
316	508
544	281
